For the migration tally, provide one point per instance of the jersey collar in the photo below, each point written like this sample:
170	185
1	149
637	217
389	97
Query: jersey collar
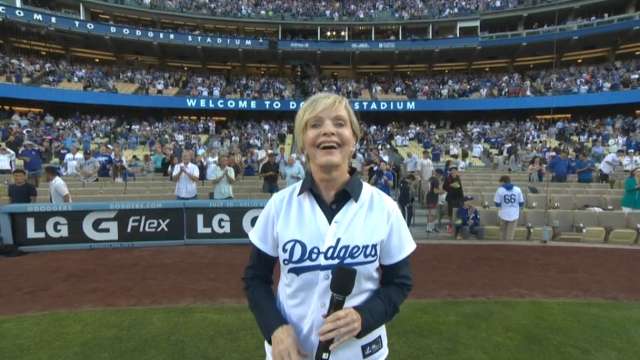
353	186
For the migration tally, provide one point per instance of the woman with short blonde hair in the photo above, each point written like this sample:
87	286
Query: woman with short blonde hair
328	219
317	103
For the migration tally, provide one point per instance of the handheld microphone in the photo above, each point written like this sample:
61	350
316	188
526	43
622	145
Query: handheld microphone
342	282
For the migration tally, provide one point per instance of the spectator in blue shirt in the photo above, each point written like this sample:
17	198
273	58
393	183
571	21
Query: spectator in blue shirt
584	168
435	154
383	178
106	162
87	138
559	167
32	157
69	142
597	152
468	221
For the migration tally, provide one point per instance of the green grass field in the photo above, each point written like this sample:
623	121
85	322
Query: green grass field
547	330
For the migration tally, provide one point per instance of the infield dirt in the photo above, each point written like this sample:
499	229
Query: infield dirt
213	274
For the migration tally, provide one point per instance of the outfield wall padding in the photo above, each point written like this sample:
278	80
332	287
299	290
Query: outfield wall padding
49	227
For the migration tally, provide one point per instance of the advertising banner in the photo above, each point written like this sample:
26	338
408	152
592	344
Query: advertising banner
61	22
216	221
48	227
10	91
100	226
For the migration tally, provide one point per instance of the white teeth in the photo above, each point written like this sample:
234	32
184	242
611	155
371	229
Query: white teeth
328	146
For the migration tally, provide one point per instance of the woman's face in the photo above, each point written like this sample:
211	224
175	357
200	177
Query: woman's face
328	139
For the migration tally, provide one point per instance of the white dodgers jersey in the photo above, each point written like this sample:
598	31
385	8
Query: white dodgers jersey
509	199
364	235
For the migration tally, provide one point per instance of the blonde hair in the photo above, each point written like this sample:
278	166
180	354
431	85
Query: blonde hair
317	103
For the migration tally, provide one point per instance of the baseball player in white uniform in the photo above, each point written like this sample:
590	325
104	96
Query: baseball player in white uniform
327	219
509	200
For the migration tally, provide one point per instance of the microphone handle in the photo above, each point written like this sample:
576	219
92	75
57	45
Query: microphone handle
336	304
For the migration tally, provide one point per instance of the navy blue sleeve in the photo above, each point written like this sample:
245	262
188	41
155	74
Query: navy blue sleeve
395	285
258	287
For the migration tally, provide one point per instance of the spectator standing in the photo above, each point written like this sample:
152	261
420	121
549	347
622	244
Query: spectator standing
186	176
157	157
269	173
357	162
406	198
281	160
135	167
636	160
72	160
627	161
559	167
608	165
119	168
58	191
293	172
250	163
436	153
7	160
509	200
536	170
477	150
432	198
32	156
597	152
425	171
383	178
202	168
148	167
88	168
21	192
584	169
223	178
411	163
631	197
105	160
170	164
455	193
212	164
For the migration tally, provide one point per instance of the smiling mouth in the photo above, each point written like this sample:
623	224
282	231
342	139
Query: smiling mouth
328	146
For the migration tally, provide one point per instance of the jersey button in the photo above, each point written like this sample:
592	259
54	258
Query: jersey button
327	276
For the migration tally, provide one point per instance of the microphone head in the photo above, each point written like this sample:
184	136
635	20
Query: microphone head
343	280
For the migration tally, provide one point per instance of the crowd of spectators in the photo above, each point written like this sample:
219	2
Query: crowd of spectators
613	76
19	69
574	79
334	10
93	146
514	143
56	138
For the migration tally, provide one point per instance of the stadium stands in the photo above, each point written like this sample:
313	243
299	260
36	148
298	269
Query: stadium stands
613	76
567	208
485	145
333	10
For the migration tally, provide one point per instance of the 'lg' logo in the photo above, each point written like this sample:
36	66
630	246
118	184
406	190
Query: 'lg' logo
55	227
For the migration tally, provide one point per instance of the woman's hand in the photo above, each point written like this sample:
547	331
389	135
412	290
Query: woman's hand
284	344
341	326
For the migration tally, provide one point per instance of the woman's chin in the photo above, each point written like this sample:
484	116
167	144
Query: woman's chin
329	163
